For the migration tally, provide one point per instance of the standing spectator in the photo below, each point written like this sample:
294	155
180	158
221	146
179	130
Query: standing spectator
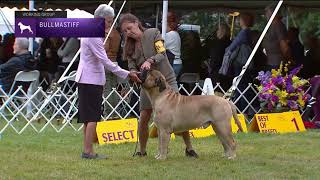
67	51
215	49
276	41
242	38
312	60
1	50
242	44
22	61
190	52
49	59
111	46
8	41
173	42
91	79
296	47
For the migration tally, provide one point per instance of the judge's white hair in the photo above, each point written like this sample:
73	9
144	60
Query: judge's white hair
23	43
103	10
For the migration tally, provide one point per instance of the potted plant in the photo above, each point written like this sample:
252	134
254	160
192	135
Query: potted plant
282	90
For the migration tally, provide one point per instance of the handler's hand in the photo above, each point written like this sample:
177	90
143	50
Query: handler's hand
145	66
133	75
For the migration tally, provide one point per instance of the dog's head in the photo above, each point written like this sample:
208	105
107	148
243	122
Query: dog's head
153	79
19	23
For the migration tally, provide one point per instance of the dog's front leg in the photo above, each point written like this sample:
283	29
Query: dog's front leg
164	138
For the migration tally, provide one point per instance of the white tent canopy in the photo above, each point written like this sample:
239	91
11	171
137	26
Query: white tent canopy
7	17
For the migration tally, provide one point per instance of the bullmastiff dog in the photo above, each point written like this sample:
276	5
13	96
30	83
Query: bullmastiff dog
175	113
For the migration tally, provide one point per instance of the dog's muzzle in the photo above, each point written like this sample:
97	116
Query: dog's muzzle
143	76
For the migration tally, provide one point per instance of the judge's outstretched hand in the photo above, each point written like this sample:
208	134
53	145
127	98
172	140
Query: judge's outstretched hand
133	75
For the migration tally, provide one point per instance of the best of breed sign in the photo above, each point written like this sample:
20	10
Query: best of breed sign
117	131
278	122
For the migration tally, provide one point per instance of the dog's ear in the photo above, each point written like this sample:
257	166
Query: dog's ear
161	84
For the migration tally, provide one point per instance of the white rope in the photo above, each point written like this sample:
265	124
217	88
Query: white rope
237	79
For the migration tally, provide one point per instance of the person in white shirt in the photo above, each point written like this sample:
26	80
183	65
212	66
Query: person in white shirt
173	42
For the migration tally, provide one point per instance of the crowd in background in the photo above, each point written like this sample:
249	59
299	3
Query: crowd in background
216	57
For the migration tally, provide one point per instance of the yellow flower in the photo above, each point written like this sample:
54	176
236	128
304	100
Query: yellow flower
300	101
274	73
283	101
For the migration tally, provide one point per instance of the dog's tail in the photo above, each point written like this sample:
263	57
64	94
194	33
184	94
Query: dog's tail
235	116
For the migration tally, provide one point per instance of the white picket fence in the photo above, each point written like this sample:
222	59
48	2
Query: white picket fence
57	109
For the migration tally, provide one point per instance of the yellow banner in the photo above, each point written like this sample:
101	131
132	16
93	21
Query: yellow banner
201	132
278	122
117	131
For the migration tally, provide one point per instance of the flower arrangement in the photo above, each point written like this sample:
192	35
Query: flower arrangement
282	89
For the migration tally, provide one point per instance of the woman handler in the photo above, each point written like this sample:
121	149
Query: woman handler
144	50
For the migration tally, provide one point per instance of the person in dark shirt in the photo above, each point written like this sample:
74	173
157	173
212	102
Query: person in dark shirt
296	47
276	41
215	50
22	61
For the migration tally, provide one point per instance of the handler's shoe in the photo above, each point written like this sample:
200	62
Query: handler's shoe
93	156
140	154
191	153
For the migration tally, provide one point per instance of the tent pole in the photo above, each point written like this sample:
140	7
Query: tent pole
164	17
31	8
157	15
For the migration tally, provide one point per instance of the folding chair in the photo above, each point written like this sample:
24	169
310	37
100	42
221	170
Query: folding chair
17	96
189	79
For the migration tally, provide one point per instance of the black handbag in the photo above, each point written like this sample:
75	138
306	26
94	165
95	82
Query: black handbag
170	56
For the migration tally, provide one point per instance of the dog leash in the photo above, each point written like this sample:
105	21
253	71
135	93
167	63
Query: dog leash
230	93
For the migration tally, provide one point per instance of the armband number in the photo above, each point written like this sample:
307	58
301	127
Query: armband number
159	46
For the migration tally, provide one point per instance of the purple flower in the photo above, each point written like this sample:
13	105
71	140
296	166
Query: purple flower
277	80
275	98
292	104
264	77
289	87
265	96
295	70
294	98
270	106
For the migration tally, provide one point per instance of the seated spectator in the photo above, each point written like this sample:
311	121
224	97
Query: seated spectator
22	61
296	47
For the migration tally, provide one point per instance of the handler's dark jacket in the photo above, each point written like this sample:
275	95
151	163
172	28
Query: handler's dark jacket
8	70
150	50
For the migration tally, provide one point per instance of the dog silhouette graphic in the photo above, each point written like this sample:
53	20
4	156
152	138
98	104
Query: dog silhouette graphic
24	27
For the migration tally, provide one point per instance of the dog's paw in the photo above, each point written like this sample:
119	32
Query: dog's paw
157	156
161	157
232	157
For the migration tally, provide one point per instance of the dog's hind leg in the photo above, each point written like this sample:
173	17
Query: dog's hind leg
164	138
224	133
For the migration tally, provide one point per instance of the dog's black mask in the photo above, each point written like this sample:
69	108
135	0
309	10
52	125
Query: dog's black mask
143	75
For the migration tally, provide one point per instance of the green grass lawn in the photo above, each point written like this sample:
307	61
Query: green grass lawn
54	155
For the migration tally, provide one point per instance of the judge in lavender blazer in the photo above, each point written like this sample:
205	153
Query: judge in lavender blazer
91	78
